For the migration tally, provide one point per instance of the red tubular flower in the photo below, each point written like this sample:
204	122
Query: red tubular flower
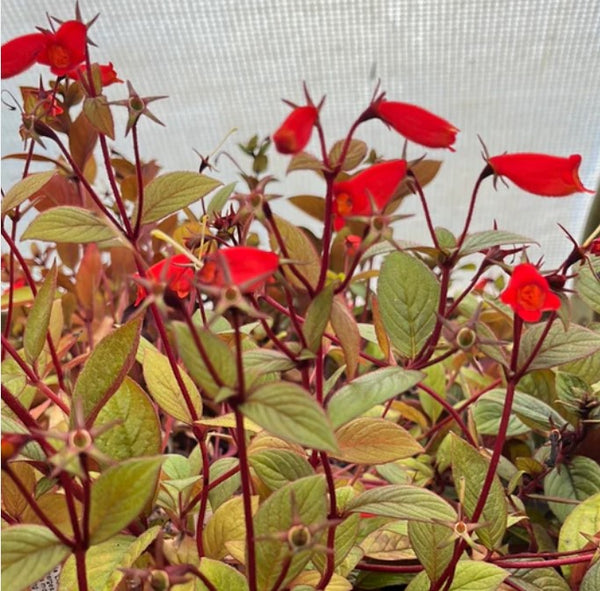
294	133
62	51
65	49
107	74
21	53
245	267
417	124
175	271
540	174
377	183
528	293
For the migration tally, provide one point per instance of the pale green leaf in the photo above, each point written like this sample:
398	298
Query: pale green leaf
136	429
70	224
220	198
370	440
277	467
432	544
470	575
317	317
28	553
560	346
408	295
591	581
470	467
369	390
574	480
172	192
482	240
403	501
587	283
221	576
98	112
24	189
287	410
301	501
119	495
106	368
539	579
356	153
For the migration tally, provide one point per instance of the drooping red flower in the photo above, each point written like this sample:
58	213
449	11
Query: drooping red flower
528	293
541	174
245	267
294	133
175	271
416	124
63	51
377	184
108	75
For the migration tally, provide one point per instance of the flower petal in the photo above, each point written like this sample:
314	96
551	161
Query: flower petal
21	53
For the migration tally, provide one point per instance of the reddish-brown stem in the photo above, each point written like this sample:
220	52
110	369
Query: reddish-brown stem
35	507
87	502
30	281
390	568
471	210
552	563
113	185
33	377
82	584
140	182
428	219
332	516
211	485
450	410
283	571
203	493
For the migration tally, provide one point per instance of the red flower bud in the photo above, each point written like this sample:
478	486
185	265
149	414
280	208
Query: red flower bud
528	293
540	174
245	267
377	183
107	74
295	131
175	271
417	124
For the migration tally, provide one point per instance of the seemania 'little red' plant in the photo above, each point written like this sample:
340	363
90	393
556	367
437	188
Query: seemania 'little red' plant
201	394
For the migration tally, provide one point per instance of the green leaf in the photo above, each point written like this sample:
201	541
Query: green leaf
287	410
591	581
165	390
264	361
70	224
470	575
576	480
369	390
223	491
531	411
357	151
28	553
408	295
587	285
302	501
487	415
312	205
98	112
137	429
404	501
435	379
470	467
220	198
218	353
221	575
304	161
25	189
172	192
445	238
226	525
481	240
300	250
369	440
277	467
584	519
560	345
345	328
432	545
120	494
346	536
317	317
106	368
104	561
539	579
38	319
